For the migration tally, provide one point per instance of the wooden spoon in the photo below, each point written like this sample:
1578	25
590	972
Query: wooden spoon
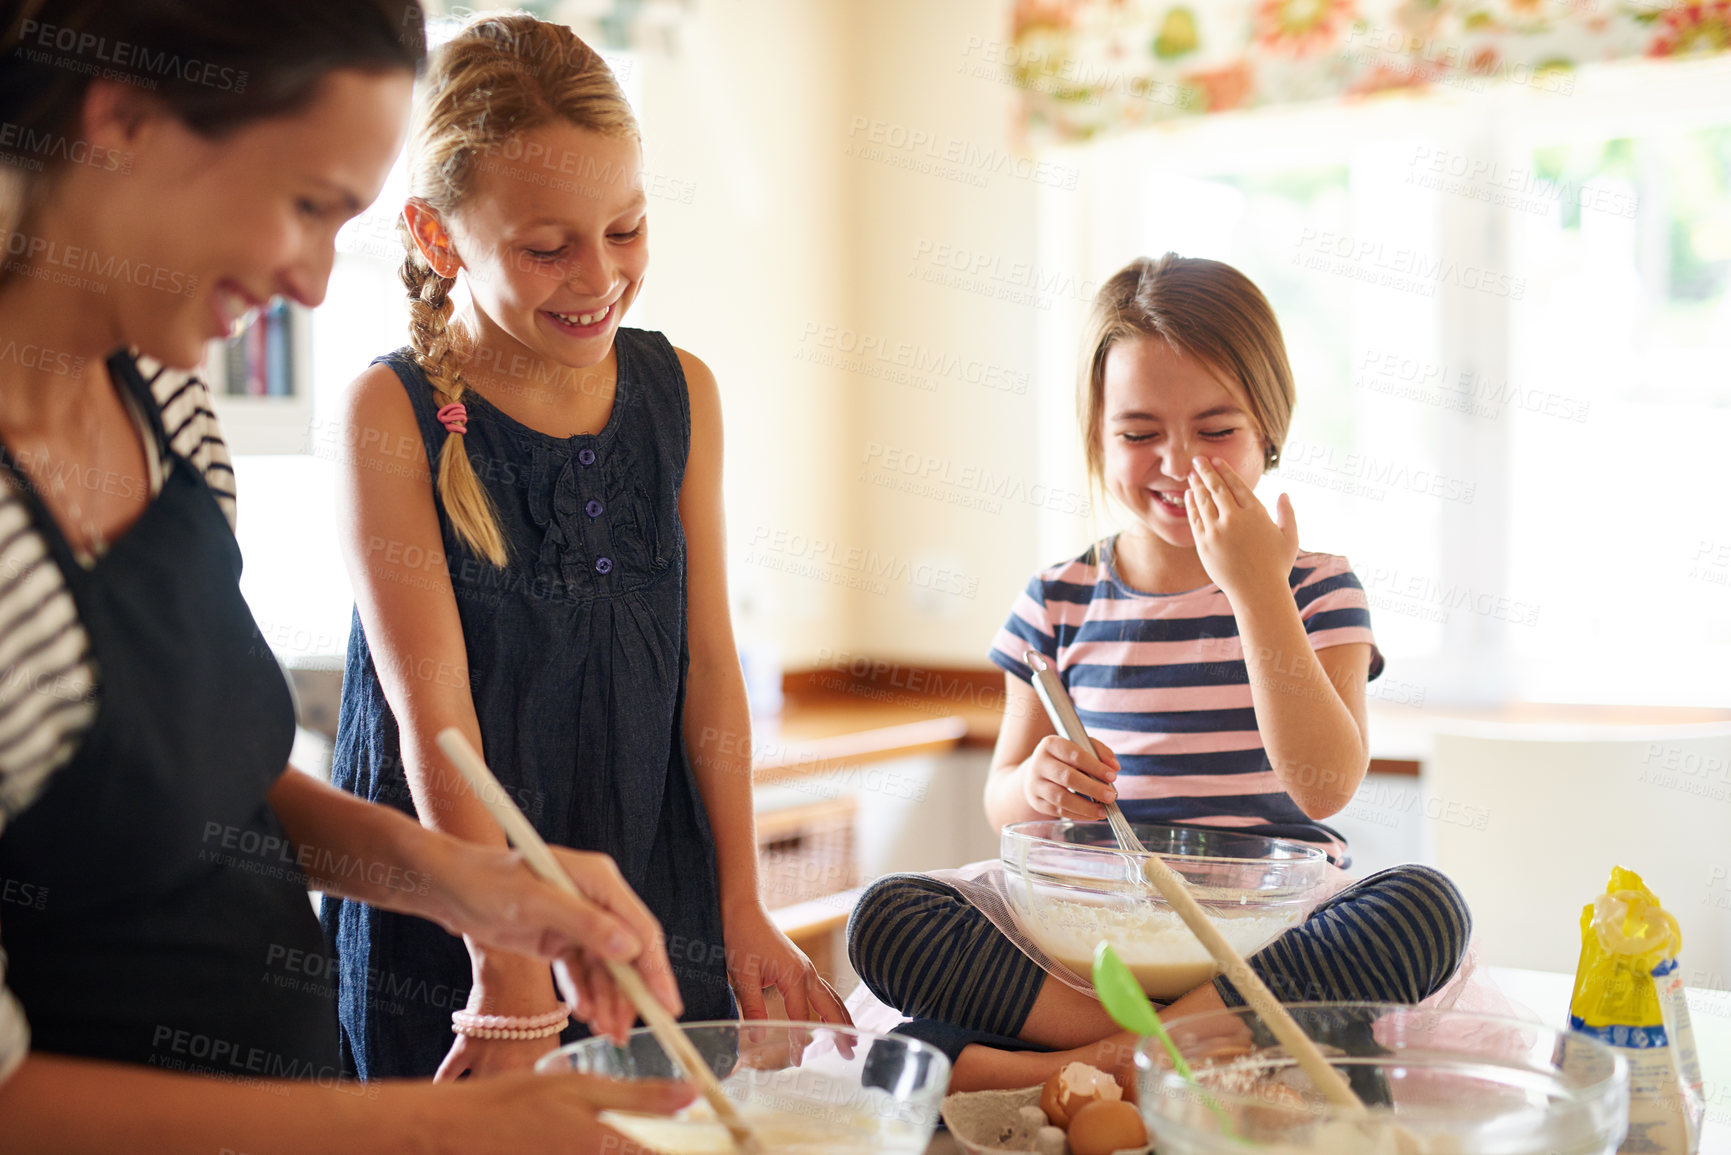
525	838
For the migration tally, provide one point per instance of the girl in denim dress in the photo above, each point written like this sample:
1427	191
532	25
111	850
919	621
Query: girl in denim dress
533	523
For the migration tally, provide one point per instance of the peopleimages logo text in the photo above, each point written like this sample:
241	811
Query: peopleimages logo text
138	58
47	254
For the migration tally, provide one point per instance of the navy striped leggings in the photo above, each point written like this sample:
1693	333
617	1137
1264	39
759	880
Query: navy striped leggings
1396	936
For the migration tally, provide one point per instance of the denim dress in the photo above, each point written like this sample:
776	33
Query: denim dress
577	663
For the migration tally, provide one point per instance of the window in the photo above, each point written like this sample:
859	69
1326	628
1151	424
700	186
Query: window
1509	315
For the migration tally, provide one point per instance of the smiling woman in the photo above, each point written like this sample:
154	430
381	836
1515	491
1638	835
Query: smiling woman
196	158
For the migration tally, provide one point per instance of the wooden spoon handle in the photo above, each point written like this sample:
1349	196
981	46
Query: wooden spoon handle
1275	1016
527	839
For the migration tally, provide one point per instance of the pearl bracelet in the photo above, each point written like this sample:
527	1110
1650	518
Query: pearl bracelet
468	1022
506	1032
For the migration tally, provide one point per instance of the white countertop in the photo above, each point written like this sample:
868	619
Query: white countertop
1546	994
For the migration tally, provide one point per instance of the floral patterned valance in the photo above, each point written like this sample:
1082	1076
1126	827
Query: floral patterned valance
1088	67
605	24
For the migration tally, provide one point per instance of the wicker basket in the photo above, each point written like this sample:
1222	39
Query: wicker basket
805	852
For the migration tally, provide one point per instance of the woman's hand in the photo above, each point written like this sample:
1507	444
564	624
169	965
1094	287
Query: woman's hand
510	985
45	1104
479	1058
492	897
529	1114
759	957
1062	780
1241	547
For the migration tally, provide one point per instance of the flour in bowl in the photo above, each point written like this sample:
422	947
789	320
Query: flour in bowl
697	1133
794	1111
1163	954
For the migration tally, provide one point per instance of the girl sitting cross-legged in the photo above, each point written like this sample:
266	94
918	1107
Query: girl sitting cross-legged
1221	670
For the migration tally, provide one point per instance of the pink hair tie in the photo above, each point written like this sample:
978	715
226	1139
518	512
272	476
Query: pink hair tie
455	418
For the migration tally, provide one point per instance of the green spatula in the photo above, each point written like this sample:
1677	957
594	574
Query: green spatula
1127	1003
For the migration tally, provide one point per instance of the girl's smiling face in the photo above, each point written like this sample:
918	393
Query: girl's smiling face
1162	409
554	238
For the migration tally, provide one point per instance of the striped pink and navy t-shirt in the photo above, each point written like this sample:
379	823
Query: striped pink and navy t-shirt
1160	678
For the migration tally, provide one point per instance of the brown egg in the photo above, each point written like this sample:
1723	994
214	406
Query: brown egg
1073	1087
1103	1127
1055	1113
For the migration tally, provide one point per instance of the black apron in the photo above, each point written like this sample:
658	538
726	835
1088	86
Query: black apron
174	928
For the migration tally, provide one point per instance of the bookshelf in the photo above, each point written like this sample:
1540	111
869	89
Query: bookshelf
261	382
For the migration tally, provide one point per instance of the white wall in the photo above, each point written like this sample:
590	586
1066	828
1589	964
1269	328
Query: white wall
733	114
835	149
941	461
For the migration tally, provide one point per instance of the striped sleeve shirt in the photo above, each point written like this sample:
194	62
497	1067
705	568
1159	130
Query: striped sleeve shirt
1161	679
49	683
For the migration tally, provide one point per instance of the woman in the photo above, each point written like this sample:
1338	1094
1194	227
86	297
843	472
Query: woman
175	165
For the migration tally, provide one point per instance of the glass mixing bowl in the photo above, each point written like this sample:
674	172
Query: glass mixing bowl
1437	1083
1072	888
804	1088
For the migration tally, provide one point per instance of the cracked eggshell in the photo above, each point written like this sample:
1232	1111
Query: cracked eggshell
1073	1087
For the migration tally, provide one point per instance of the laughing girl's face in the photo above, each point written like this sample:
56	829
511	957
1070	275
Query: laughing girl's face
1162	409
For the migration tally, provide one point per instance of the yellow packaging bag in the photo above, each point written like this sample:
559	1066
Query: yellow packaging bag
1629	994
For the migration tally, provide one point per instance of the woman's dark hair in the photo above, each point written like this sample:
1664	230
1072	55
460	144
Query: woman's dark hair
215	64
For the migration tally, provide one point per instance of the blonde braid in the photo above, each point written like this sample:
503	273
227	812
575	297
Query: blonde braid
498	77
466	500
